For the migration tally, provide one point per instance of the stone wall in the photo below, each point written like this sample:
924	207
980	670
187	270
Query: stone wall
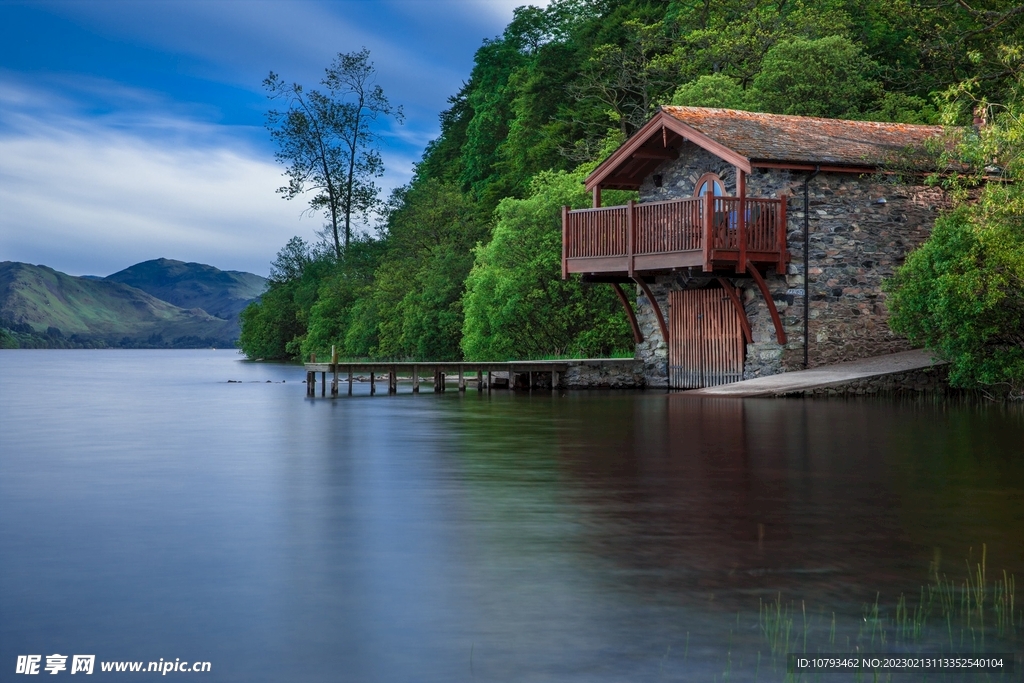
933	381
622	373
861	229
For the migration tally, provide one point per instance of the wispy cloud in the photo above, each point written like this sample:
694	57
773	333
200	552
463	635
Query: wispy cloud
142	136
85	196
240	42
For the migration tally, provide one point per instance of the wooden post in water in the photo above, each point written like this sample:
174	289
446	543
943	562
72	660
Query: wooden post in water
393	380
373	382
437	381
323	383
415	379
349	380
479	380
462	380
443	387
511	379
310	383
554	380
334	366
490	380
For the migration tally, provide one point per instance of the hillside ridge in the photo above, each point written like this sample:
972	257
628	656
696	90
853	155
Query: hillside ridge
43	307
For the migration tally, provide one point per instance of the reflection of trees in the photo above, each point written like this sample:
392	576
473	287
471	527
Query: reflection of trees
676	488
665	494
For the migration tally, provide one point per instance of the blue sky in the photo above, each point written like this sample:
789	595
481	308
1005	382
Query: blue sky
133	129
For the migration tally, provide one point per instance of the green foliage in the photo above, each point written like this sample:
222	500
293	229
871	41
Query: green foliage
962	296
542	97
517	305
275	326
338	303
711	90
828	77
962	293
430	234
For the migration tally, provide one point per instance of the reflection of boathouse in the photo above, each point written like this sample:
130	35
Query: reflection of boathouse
717	244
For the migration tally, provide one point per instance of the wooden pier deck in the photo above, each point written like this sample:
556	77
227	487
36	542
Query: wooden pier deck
436	374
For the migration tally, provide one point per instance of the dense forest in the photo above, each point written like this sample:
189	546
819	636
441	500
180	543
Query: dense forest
465	261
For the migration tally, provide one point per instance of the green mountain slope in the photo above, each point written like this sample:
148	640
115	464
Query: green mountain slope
42	302
222	293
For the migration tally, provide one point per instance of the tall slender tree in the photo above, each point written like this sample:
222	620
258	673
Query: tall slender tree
328	141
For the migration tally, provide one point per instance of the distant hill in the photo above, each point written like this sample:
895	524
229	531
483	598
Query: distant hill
221	293
40	306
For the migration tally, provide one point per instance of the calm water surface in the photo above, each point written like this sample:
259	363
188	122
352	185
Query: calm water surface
151	509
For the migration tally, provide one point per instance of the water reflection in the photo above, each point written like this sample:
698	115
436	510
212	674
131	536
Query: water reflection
584	536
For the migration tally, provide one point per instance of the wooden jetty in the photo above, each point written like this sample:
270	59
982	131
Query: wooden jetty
437	374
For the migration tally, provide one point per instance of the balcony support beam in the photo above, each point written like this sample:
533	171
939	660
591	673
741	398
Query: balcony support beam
638	336
780	334
738	305
654	304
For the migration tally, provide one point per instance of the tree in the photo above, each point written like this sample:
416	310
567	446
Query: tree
328	141
627	79
275	326
961	294
711	90
516	304
431	231
828	77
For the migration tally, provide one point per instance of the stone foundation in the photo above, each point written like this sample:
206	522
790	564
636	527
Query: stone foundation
615	373
861	230
933	381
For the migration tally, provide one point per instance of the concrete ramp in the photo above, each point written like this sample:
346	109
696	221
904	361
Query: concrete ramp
826	376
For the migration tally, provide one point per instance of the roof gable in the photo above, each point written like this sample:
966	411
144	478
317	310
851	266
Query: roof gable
749	139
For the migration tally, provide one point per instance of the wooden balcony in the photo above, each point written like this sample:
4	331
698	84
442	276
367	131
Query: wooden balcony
711	233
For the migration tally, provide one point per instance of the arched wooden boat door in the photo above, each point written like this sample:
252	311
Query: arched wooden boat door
706	345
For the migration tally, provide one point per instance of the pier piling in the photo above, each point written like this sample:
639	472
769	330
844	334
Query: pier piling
334	368
392	371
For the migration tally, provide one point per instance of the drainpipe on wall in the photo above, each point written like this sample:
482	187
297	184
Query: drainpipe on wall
807	249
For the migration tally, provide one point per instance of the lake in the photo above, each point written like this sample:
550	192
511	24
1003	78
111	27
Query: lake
150	509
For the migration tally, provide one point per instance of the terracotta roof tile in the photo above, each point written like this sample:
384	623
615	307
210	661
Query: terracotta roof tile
805	139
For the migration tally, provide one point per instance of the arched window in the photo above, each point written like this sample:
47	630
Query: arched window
709	183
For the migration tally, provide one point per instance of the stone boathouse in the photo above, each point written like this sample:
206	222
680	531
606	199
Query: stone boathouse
760	241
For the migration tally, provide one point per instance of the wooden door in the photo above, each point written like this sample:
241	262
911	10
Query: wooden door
705	339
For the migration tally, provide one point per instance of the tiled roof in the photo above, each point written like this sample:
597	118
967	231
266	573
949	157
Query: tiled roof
805	139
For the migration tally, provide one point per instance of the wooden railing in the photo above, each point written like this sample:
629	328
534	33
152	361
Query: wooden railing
708	224
762	218
596	232
667	226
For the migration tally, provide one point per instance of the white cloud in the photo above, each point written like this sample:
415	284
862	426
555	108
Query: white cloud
87	198
501	10
240	42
